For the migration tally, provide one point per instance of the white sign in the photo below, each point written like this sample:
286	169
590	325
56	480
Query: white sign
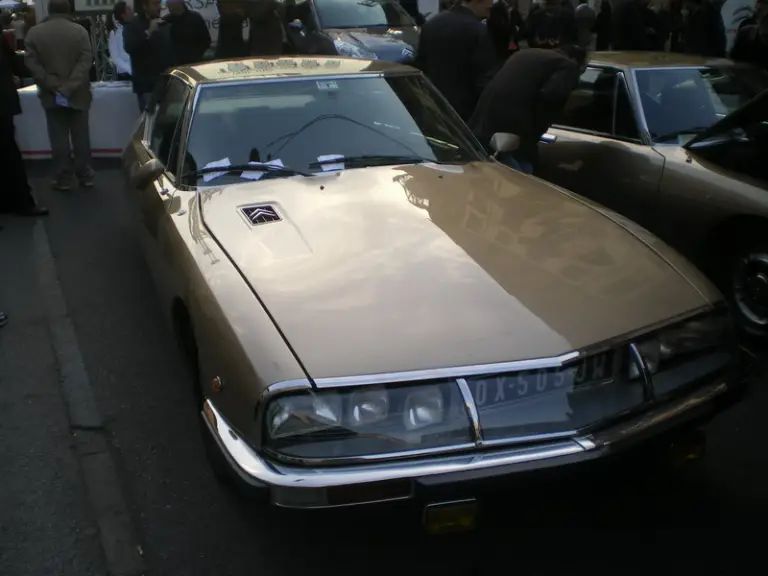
207	9
94	5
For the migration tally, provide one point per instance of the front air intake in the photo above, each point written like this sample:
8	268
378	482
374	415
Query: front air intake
262	214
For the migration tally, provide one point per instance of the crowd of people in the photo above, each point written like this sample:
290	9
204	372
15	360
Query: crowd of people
465	50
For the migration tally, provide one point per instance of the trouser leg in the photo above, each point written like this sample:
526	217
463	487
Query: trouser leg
15	192
81	142
58	122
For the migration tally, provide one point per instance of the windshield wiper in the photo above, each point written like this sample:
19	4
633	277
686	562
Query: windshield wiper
271	168
372	160
677	133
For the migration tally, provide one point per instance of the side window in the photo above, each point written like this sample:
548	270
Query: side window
163	141
590	106
626	124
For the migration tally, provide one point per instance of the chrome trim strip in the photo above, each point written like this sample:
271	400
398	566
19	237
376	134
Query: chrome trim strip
212	85
308	463
642	367
447	373
469	404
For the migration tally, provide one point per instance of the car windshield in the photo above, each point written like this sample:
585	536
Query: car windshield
323	123
681	102
361	14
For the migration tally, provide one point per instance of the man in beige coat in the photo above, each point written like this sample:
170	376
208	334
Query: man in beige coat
59	58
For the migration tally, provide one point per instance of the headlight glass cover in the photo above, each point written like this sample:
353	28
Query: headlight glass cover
359	421
687	340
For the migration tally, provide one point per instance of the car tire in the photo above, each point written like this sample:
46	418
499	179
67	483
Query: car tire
743	277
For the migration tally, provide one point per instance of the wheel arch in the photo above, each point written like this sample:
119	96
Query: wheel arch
728	234
184	332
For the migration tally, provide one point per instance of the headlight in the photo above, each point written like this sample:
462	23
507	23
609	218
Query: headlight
350	50
689	338
354	421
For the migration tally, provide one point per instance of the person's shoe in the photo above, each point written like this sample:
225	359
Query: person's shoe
86	180
33	211
3	319
62	184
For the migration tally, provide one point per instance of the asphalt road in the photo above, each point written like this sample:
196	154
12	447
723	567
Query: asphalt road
709	520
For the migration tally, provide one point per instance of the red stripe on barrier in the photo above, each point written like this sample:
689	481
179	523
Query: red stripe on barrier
93	151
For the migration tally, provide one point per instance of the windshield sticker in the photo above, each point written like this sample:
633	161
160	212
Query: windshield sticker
223	163
310	64
332	63
327	85
256	175
327	164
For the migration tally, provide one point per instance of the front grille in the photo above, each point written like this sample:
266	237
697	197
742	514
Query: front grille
262	214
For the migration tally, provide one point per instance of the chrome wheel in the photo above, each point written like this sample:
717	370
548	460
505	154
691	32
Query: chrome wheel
750	288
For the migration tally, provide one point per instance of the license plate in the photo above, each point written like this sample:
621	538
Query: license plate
495	390
445	517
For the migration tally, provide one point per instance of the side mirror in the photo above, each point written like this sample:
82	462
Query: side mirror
504	142
147	172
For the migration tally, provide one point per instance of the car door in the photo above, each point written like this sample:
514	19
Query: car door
163	138
598	151
168	105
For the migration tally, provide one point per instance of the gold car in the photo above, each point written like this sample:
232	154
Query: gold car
372	305
679	144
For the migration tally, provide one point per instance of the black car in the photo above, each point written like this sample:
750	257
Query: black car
372	29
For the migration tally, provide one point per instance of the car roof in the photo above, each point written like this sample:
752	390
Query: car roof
220	71
653	60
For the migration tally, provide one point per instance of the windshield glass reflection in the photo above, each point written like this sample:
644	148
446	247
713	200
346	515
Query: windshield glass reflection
314	125
361	14
689	100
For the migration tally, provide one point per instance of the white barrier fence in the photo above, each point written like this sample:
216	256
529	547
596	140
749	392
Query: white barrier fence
113	117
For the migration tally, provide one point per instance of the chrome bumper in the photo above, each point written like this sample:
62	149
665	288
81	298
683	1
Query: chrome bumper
298	487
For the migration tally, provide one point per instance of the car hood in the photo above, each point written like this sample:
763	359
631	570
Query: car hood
387	269
754	111
390	44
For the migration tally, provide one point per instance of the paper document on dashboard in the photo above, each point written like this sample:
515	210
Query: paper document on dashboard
223	163
331	166
255	175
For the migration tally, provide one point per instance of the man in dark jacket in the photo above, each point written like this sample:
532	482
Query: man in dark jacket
231	43
551	25
15	192
189	33
704	30
147	40
630	25
456	53
525	98
267	35
751	45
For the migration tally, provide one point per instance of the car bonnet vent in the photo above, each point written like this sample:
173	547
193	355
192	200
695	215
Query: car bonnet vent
261	214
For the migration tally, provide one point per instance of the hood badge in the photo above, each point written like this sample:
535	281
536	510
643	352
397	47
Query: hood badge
261	214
